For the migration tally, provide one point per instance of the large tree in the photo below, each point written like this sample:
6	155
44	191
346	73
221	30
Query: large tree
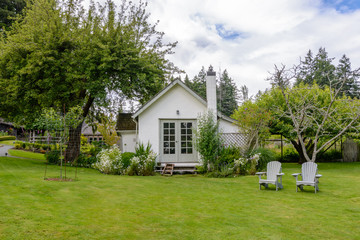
310	116
59	54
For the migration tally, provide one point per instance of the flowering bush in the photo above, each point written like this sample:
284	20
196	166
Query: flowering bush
109	161
142	165
246	165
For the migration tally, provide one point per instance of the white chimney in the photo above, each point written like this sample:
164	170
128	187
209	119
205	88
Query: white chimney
211	92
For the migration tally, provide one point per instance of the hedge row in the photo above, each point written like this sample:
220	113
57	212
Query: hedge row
3	138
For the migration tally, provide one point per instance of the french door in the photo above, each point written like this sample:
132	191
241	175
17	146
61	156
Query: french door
176	141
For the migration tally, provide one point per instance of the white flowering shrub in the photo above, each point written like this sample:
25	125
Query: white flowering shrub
246	165
143	163
109	161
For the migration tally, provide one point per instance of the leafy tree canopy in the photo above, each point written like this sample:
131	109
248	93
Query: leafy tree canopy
59	54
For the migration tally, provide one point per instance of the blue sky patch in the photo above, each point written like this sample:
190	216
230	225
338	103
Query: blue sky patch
343	5
227	34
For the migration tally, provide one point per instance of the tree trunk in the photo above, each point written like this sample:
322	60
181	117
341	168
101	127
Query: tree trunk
73	147
298	148
309	149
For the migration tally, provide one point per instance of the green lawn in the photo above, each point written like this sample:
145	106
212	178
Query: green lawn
26	154
99	206
7	142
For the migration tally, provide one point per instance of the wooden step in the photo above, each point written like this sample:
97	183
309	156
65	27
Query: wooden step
168	169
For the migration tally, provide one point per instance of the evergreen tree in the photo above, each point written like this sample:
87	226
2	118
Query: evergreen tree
321	70
227	94
8	10
198	83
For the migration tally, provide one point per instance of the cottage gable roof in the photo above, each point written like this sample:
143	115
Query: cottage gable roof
163	92
167	89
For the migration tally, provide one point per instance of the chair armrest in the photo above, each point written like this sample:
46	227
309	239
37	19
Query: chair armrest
296	174
280	174
318	175
260	173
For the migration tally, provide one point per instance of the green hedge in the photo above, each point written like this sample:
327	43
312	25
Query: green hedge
3	138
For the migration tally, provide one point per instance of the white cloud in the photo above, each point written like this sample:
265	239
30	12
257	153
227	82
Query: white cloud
269	32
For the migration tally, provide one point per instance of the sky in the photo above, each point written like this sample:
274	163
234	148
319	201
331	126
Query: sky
248	37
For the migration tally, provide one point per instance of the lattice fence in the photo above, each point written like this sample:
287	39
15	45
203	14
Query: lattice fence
234	139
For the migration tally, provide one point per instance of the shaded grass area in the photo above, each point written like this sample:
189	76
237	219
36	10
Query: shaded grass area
7	142
26	154
99	206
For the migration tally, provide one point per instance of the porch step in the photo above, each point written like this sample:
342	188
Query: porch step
168	169
178	167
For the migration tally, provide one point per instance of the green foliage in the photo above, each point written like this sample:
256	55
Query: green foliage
109	161
142	150
253	119
227	155
290	155
3	138
83	140
266	155
8	11
2	133
107	128
227	92
330	156
53	157
61	53
126	158
85	160
143	162
320	70
207	139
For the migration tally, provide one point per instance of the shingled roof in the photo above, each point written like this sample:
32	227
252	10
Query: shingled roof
125	122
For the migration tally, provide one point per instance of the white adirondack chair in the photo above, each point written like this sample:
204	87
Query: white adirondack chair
273	174
309	176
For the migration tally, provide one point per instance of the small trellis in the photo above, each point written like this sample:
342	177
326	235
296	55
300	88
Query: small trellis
234	139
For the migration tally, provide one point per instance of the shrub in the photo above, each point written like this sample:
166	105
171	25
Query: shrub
290	155
109	161
2	133
227	155
17	146
143	162
247	165
207	139
330	156
83	140
224	171
4	138
266	155
85	160
126	158
53	157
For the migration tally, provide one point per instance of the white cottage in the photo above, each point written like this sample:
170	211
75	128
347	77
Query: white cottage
167	120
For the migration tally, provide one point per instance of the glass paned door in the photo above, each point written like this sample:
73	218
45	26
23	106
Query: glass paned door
177	141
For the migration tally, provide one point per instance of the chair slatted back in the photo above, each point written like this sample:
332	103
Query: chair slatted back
273	168
308	171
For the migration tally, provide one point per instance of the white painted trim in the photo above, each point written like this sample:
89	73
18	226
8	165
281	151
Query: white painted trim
165	90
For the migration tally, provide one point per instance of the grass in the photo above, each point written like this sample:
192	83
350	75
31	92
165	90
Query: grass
7	142
100	206
26	154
